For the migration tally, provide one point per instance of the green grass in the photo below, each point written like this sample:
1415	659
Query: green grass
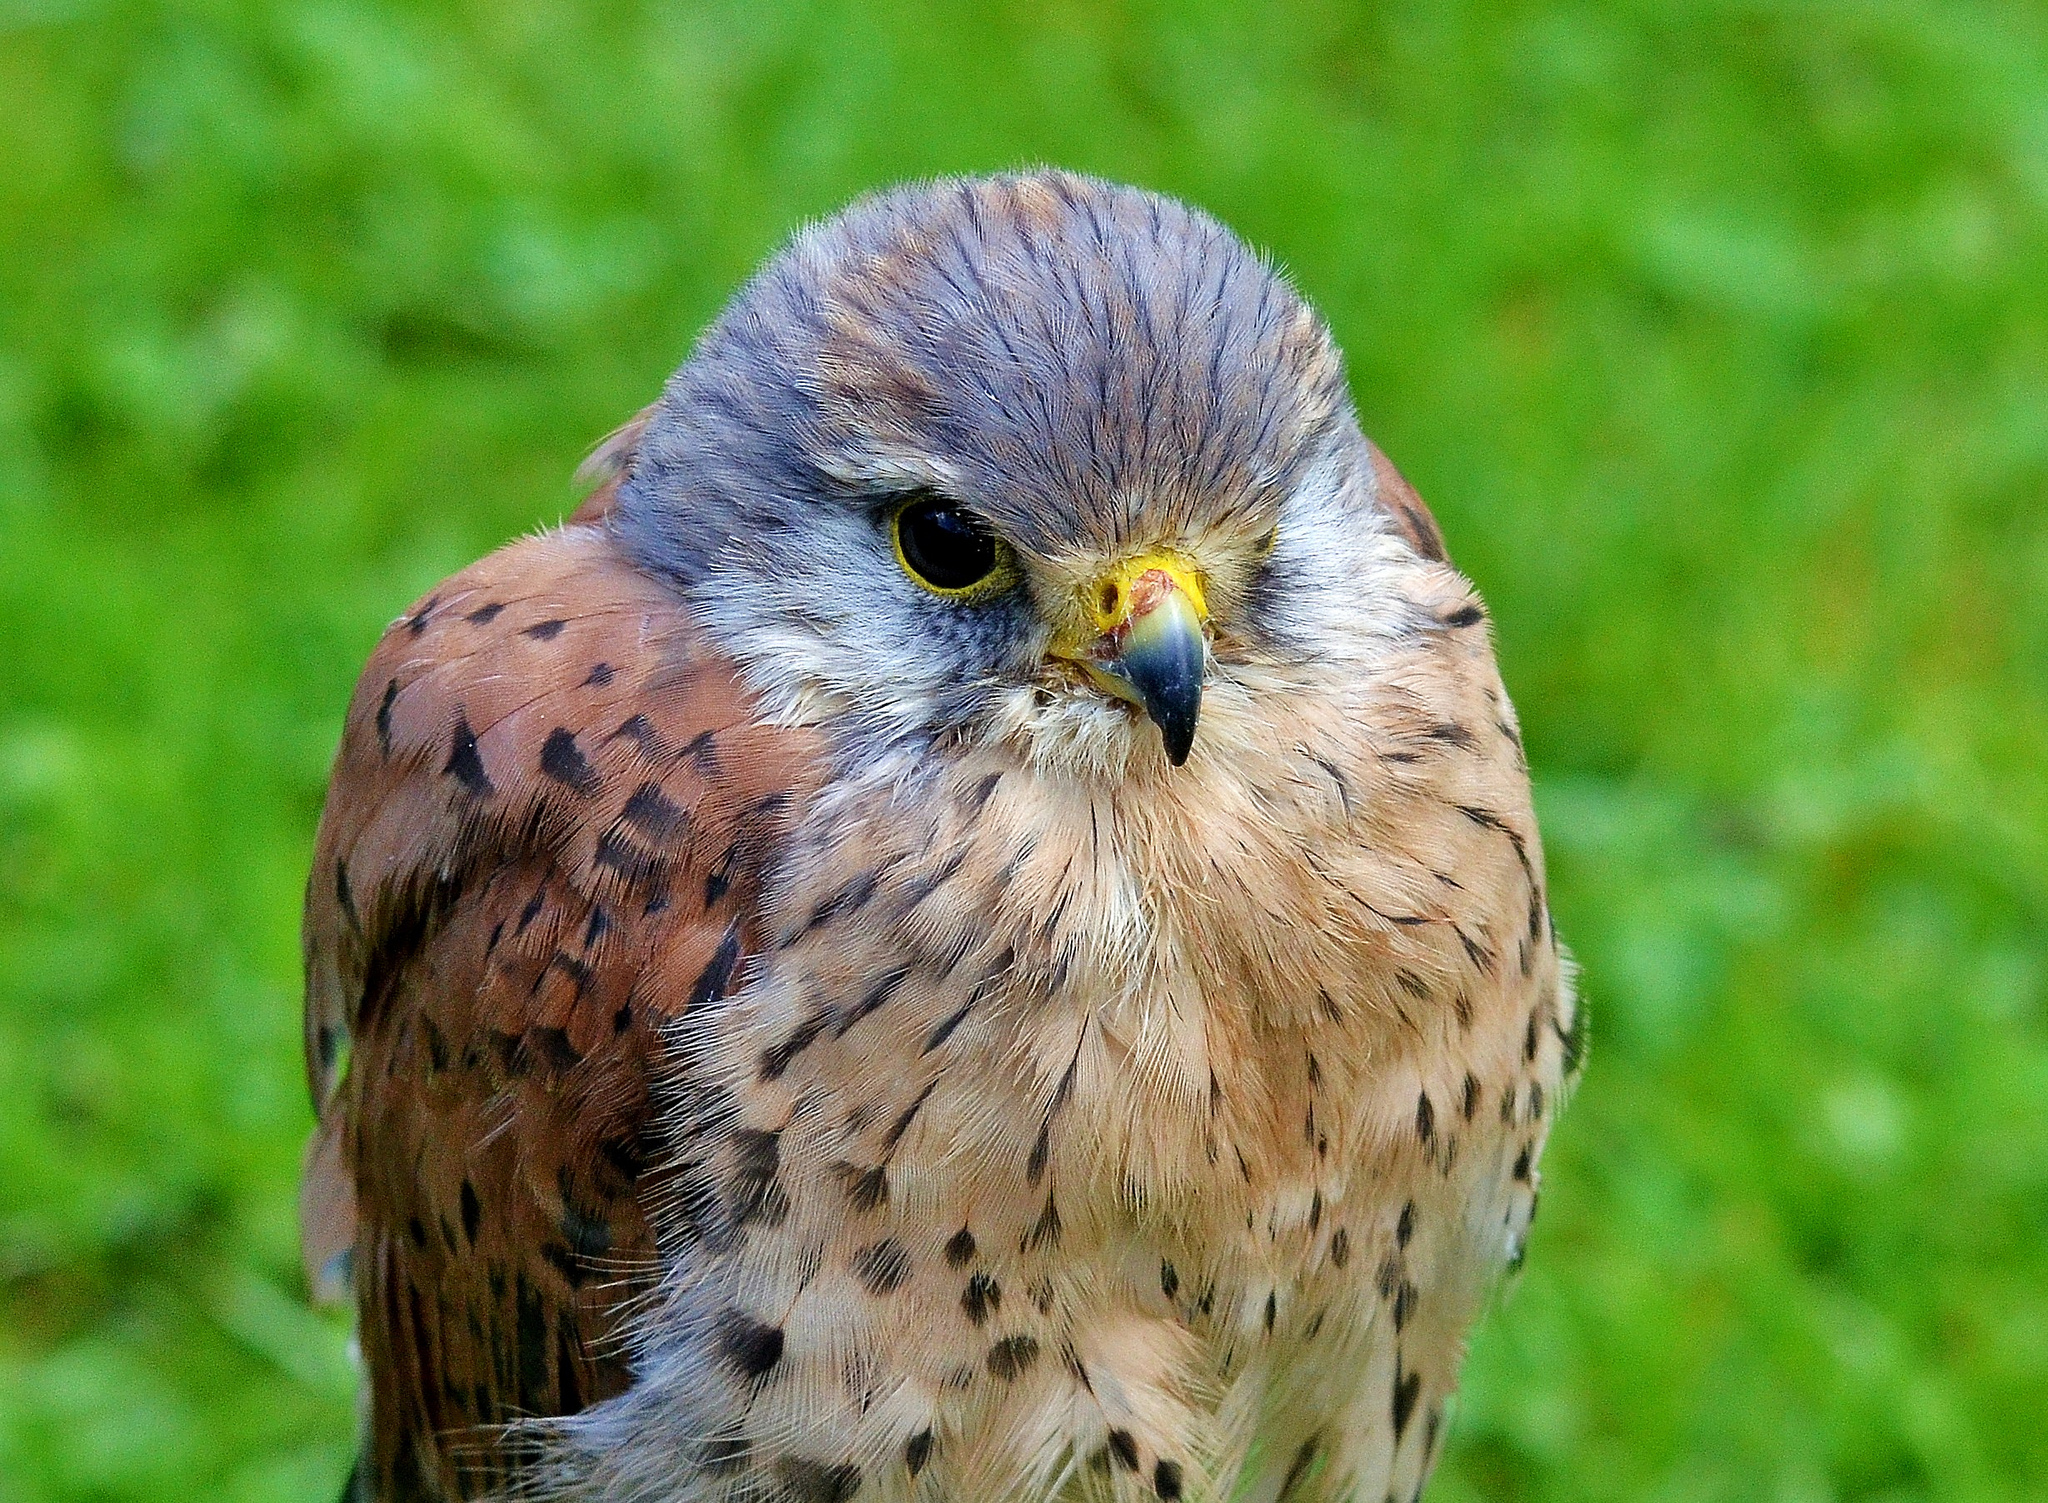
1716	333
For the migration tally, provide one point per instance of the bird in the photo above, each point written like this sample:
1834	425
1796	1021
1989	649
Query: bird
970	926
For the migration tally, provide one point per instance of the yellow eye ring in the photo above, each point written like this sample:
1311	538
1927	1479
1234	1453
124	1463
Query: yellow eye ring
947	550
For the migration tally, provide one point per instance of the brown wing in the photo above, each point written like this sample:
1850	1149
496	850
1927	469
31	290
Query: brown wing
541	840
1404	509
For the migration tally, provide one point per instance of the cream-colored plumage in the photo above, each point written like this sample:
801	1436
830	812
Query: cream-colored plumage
1064	1123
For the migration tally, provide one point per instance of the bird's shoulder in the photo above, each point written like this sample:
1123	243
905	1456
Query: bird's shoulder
542	838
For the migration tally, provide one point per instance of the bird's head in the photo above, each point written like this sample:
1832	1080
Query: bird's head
1030	460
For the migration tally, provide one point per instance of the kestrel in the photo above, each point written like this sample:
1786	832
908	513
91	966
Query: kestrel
971	928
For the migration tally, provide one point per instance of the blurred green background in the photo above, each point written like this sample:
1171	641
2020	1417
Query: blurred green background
1716	333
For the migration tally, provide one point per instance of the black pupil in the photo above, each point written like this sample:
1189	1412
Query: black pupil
945	545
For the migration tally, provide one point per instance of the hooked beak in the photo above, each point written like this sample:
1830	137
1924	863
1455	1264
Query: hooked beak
1152	649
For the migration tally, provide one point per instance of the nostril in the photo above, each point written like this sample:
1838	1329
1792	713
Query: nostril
1110	596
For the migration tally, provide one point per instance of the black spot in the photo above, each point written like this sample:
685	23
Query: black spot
718	880
1535	1100
562	760
907	1116
1404	1229
1522	1164
1507	1105
918	1450
1529	1041
532	909
978	796
775	1059
472	1212
922	887
1304	1458
484	614
1407	1387
802	1480
636	865
873	999
751	1346
1045	1232
982	1296
1468	614
1315	1210
639	730
595	930
1425	1119
1340	1247
946	1025
544	631
882	1267
418	622
1470	1104
552	1045
1390	1276
866	1189
753	1194
600	675
1272	1309
960	1248
1166	1480
1124	1447
1011	1357
1169	1280
654	814
345	899
1405	1300
384	716
849	899
464	764
1034	1166
717	973
416	1230
437	1044
328	1042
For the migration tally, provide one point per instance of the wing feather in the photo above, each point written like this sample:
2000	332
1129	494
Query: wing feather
542	839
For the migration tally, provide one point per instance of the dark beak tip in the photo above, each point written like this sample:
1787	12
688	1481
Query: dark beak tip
1179	740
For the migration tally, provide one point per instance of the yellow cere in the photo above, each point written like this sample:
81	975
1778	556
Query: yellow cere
1110	602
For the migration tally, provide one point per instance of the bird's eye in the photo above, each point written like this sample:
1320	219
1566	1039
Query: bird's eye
946	549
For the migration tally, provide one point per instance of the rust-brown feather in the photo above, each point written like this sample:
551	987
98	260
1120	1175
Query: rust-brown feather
542	839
